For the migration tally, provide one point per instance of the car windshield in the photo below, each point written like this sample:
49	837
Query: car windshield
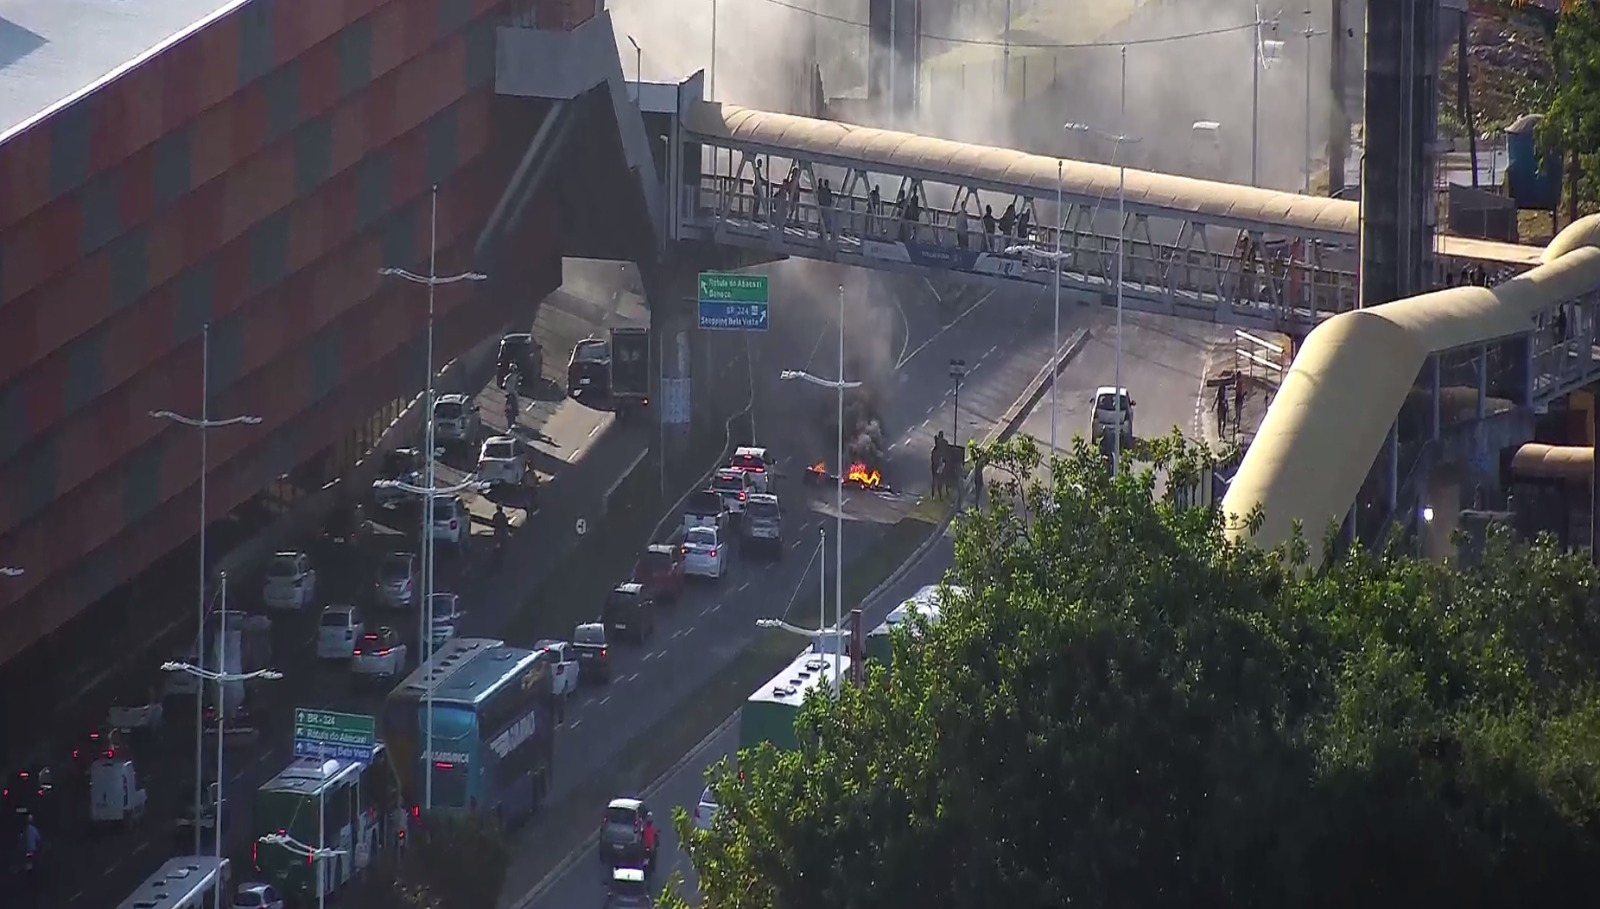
589	634
728	482
621	820
701	536
1108	401
250	900
763	510
708	798
591	352
444	606
513	347
704	503
499	450
336	618
282	567
395	567
447	410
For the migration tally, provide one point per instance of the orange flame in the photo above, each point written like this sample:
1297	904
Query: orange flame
818	467
860	474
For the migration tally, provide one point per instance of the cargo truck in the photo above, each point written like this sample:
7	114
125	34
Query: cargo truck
630	370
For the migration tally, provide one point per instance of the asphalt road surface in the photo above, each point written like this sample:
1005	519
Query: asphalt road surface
583	882
1164	364
1000	341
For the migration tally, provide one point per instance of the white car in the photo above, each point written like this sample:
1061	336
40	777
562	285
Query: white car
503	461
563	669
456	419
1106	413
704	555
379	653
452	523
706	811
757	463
257	896
446	609
291	581
735	487
340	628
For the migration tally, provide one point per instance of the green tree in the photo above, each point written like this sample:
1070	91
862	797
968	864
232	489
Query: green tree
1572	125
1132	711
452	862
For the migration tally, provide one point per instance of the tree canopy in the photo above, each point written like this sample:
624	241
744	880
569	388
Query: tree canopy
1129	710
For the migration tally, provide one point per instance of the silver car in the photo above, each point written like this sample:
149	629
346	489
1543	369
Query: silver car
396	586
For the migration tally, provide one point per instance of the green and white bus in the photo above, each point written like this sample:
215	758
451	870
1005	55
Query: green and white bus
185	882
925	602
331	803
769	713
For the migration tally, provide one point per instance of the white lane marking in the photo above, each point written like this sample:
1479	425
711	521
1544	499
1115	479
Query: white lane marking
935	336
743	587
715	606
605	700
794	545
632	678
1200	396
576	723
706	611
681	632
79	895
592	431
648	657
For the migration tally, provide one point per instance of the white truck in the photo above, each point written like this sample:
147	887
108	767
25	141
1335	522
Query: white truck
291	582
115	796
563	672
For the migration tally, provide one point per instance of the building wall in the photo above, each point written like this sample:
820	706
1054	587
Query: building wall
254	176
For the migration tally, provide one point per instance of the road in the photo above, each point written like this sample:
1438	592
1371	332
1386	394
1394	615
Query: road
583	883
93	870
705	631
1164	363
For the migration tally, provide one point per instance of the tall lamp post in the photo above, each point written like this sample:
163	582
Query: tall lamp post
313	854
638	69
205	424
840	385
1309	33
431	280
425	614
223	678
1263	54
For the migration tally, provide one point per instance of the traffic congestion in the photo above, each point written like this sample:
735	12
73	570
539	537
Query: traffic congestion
340	627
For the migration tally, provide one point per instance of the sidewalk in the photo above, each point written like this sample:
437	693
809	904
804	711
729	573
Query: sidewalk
1245	401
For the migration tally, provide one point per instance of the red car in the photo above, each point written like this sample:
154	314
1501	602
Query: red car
660	572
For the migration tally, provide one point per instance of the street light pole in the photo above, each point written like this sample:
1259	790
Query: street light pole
1122	246
638	69
222	668
1255	96
1055	329
10	572
712	76
1310	32
204	424
838	532
432	280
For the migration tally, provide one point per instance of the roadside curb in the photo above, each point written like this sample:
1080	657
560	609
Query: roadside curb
1007	427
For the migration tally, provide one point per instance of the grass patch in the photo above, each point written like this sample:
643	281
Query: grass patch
562	826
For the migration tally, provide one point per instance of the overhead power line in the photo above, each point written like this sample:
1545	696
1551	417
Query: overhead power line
1026	45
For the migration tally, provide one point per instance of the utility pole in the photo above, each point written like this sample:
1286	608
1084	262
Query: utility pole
1338	117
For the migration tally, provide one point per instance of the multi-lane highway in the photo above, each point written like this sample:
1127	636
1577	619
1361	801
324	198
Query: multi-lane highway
581	883
1001	343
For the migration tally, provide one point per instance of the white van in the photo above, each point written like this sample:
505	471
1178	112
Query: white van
1109	411
337	633
114	793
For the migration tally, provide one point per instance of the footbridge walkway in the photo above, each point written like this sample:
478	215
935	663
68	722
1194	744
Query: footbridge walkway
1375	400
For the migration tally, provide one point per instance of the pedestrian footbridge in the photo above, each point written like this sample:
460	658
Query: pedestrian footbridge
1378	405
1191	248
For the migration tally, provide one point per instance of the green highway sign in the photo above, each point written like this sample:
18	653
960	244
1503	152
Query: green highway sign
733	302
331	734
724	288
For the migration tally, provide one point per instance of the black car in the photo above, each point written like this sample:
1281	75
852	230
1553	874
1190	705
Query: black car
594	653
630	613
520	352
589	369
627	835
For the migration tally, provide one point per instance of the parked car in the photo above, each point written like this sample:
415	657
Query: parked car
255	895
396	586
503	461
337	633
456	420
519	352
452	523
593	647
563	670
629	612
291	581
660	571
379	654
447	615
706	811
589	368
704	556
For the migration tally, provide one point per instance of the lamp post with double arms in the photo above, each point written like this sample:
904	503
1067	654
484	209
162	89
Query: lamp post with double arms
205	424
431	280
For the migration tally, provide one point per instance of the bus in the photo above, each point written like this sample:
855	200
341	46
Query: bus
185	882
331	803
769	713
494	711
925	602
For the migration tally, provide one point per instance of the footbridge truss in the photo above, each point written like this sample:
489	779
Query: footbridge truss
1190	248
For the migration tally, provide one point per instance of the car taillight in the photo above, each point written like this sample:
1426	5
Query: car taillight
602	651
444	765
383	652
416	811
713	552
743	495
357	652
